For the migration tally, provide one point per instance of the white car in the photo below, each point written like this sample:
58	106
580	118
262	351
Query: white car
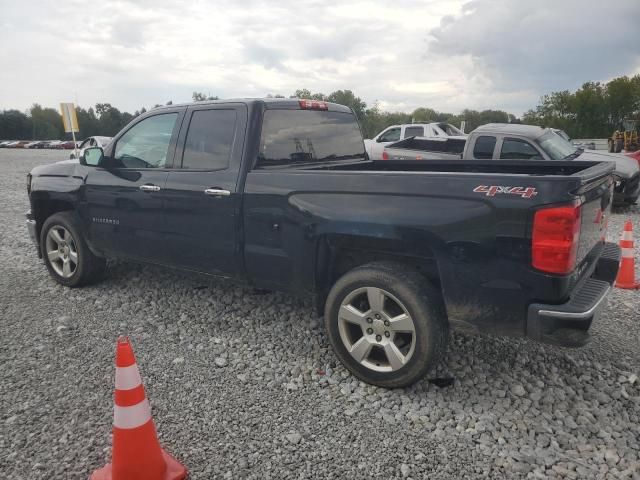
91	142
395	133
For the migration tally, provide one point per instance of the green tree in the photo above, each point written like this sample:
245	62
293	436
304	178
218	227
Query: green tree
346	97
87	122
622	100
305	93
15	125
201	97
46	123
110	119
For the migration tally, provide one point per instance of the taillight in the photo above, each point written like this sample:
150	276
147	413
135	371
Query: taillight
385	155
313	105
555	239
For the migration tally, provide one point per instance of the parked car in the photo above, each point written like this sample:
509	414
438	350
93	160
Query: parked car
5	143
68	145
582	145
440	130
90	142
507	141
18	144
55	144
38	144
279	194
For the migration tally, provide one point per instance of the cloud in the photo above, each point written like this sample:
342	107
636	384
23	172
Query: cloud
543	46
443	54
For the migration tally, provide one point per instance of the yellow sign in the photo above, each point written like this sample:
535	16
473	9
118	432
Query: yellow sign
69	118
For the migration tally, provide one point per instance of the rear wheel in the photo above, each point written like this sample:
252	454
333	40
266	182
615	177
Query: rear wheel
386	324
66	254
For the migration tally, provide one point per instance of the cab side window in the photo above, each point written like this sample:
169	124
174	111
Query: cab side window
483	149
413	132
145	145
515	149
209	140
392	135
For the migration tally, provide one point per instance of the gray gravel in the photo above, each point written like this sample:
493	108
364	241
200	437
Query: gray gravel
244	385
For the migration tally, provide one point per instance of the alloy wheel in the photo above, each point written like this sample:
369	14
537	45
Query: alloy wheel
376	329
61	251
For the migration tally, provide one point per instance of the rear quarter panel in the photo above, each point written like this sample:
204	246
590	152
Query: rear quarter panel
480	243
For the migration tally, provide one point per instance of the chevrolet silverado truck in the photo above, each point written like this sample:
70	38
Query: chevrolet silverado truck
506	141
279	194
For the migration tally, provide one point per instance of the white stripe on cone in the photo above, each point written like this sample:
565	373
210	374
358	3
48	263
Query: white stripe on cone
627	252
127	377
132	417
627	235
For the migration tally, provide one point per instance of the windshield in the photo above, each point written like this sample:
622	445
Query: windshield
563	134
555	146
309	136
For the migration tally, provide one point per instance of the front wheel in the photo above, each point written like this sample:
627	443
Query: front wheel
66	254
386	324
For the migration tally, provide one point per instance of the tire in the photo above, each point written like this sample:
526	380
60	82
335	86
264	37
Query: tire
61	242
356	324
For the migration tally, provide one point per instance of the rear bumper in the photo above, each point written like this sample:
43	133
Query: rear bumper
33	232
568	324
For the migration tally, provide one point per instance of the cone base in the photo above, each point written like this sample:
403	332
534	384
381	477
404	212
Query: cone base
174	471
628	286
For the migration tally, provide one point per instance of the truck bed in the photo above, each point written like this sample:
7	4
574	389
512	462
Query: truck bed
586	170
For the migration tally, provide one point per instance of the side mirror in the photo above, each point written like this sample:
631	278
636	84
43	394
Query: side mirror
91	157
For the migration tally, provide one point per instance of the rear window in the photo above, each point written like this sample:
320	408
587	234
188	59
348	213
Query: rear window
291	137
515	149
483	149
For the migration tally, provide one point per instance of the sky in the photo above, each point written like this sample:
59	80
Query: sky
443	54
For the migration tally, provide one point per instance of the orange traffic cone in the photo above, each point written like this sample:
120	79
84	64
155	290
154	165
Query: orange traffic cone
627	272
137	455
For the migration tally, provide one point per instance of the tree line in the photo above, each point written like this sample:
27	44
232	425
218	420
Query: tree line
593	111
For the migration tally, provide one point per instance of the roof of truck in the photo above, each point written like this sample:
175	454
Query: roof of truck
269	102
532	131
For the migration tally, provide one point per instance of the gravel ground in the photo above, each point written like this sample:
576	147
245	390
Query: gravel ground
244	385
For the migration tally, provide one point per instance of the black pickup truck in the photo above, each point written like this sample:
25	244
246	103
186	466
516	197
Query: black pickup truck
279	194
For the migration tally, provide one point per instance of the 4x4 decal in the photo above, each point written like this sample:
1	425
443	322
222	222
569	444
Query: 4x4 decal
493	190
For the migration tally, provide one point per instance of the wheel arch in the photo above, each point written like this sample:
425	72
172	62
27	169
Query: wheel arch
338	254
43	207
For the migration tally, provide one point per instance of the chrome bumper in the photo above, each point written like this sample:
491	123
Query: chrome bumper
568	324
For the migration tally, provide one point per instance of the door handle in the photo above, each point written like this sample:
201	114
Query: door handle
217	192
149	188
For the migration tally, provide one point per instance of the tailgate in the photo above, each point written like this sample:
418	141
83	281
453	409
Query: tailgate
596	207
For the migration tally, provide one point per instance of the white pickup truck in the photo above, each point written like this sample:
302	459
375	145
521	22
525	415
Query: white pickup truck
394	133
